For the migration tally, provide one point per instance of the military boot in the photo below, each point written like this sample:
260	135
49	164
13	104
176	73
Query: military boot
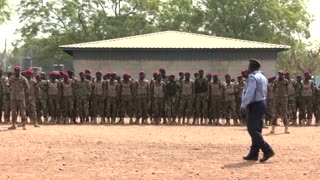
273	129
113	120
309	122
13	127
103	120
24	124
121	121
286	130
228	122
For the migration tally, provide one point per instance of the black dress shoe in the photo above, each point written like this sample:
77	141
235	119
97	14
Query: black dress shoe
266	156
250	158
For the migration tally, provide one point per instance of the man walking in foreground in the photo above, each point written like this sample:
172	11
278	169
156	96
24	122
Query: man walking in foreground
254	104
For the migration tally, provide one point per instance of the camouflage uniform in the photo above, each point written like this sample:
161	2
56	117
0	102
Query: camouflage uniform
280	90
186	100
42	100
298	96
270	104
98	98
292	113
84	90
18	86
6	103
126	97
54	100
112	92
306	101
171	101
158	94
229	91
239	89
142	96
201	99
67	89
31	101
216	91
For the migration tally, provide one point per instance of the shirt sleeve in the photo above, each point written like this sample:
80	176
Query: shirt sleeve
250	90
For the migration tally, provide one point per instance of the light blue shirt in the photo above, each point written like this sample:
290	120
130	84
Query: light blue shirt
255	89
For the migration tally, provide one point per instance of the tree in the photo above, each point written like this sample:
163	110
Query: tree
5	12
274	21
179	15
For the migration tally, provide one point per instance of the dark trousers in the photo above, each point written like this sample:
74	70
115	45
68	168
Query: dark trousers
256	111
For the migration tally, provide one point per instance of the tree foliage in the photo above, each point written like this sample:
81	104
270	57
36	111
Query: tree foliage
5	12
50	23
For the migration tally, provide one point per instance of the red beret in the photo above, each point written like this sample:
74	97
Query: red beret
307	73
126	75
37	75
240	76
87	71
172	75
141	72
209	74
17	68
61	73
200	70
215	75
65	75
29	72
187	73
155	73
298	75
181	73
227	75
113	74
108	73
287	73
162	69
98	72
195	73
70	71
81	73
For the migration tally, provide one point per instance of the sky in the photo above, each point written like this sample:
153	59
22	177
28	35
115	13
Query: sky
7	30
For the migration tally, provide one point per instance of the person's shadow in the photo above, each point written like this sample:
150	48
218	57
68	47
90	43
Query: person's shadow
240	165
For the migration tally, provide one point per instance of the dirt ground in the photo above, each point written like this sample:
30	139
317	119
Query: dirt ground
153	152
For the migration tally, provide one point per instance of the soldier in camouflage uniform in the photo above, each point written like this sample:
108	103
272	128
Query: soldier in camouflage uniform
151	102
186	99
298	96
31	98
307	93
270	99
54	98
292	113
216	90
158	89
75	95
280	91
42	99
112	93
67	89
201	98
84	89
6	98
2	87
142	93
171	99
98	98
126	97
19	86
229	91
239	89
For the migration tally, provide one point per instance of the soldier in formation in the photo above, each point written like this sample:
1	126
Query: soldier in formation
109	99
